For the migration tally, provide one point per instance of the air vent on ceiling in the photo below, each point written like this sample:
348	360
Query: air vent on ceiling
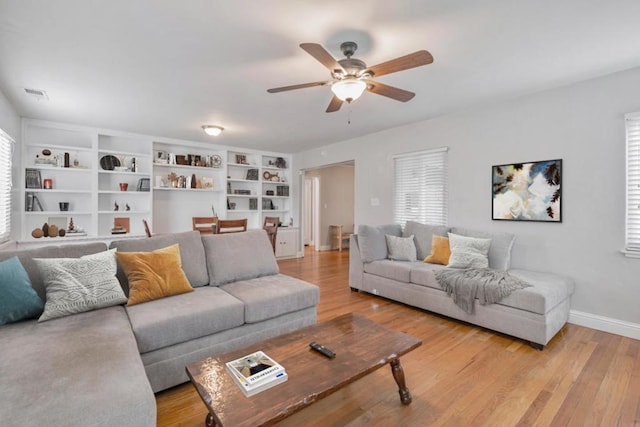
37	93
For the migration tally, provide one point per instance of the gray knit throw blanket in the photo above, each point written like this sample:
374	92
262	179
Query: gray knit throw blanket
488	285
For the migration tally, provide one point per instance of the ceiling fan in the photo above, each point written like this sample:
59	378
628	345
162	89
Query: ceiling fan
350	77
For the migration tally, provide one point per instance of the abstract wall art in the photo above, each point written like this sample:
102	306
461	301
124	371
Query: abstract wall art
527	191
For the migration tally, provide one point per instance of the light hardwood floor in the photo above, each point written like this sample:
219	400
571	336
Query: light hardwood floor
462	375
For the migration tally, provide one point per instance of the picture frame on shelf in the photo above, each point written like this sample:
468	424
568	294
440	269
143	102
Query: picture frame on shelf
206	182
160	157
241	159
252	174
144	184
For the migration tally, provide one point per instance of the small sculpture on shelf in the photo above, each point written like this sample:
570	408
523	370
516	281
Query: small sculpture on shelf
116	207
126	207
71	226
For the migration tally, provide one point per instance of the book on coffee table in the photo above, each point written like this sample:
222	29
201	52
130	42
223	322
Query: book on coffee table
256	372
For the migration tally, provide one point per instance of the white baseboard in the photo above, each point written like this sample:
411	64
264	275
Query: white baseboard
606	324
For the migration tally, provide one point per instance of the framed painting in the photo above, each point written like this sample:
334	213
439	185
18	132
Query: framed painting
527	191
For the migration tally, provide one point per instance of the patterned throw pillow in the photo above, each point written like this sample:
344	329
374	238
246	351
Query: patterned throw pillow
401	248
18	300
468	252
76	285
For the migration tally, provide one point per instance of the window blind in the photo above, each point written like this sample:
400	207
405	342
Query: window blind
421	187
6	151
632	243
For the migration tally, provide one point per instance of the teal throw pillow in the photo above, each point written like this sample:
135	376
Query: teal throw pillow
18	300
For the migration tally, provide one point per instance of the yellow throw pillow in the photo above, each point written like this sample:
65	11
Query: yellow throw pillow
440	251
154	275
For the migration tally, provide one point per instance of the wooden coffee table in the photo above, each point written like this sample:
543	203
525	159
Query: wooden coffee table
361	347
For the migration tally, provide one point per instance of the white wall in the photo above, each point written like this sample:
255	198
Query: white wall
10	123
582	124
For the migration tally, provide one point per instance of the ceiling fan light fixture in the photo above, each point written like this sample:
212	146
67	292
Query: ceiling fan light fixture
212	130
348	89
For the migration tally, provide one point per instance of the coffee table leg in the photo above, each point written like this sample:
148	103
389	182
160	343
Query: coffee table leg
210	422
398	375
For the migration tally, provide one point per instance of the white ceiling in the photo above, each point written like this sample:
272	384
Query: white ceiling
165	67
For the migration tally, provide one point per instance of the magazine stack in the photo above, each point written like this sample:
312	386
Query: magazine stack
256	372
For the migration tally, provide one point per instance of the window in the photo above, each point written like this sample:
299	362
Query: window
632	236
6	151
420	187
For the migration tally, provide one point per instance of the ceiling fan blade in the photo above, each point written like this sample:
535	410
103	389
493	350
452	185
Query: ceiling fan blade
322	56
300	86
334	105
412	60
390	91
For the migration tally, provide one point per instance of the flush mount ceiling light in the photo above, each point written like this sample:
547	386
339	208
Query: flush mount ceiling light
212	130
348	89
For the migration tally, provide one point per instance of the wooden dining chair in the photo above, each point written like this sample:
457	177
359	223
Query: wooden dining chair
205	224
271	227
231	226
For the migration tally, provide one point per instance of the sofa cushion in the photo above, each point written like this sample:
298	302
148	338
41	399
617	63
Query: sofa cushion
372	241
440	251
76	285
239	256
18	300
154	275
67	251
401	248
191	252
500	249
271	296
74	371
424	275
167	321
546	292
468	252
423	234
395	270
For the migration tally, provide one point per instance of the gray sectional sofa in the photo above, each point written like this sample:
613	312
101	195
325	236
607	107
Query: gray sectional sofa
102	367
535	313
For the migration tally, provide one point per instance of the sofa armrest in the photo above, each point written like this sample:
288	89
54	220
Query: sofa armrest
356	266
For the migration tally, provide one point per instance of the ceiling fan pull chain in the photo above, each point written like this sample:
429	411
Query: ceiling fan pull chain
349	115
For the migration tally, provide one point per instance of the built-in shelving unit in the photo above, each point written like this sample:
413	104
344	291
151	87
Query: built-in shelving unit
258	186
61	164
107	177
188	181
134	171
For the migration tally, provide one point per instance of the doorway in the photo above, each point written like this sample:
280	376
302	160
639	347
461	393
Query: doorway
328	199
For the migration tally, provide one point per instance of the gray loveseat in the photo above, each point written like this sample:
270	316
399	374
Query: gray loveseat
535	313
101	368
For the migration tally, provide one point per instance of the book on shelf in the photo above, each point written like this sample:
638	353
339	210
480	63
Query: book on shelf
33	179
35	199
31	202
256	372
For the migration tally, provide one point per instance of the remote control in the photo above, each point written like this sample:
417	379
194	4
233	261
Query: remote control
322	349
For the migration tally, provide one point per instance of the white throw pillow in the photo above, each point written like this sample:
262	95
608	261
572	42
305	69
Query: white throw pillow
76	285
401	248
468	252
